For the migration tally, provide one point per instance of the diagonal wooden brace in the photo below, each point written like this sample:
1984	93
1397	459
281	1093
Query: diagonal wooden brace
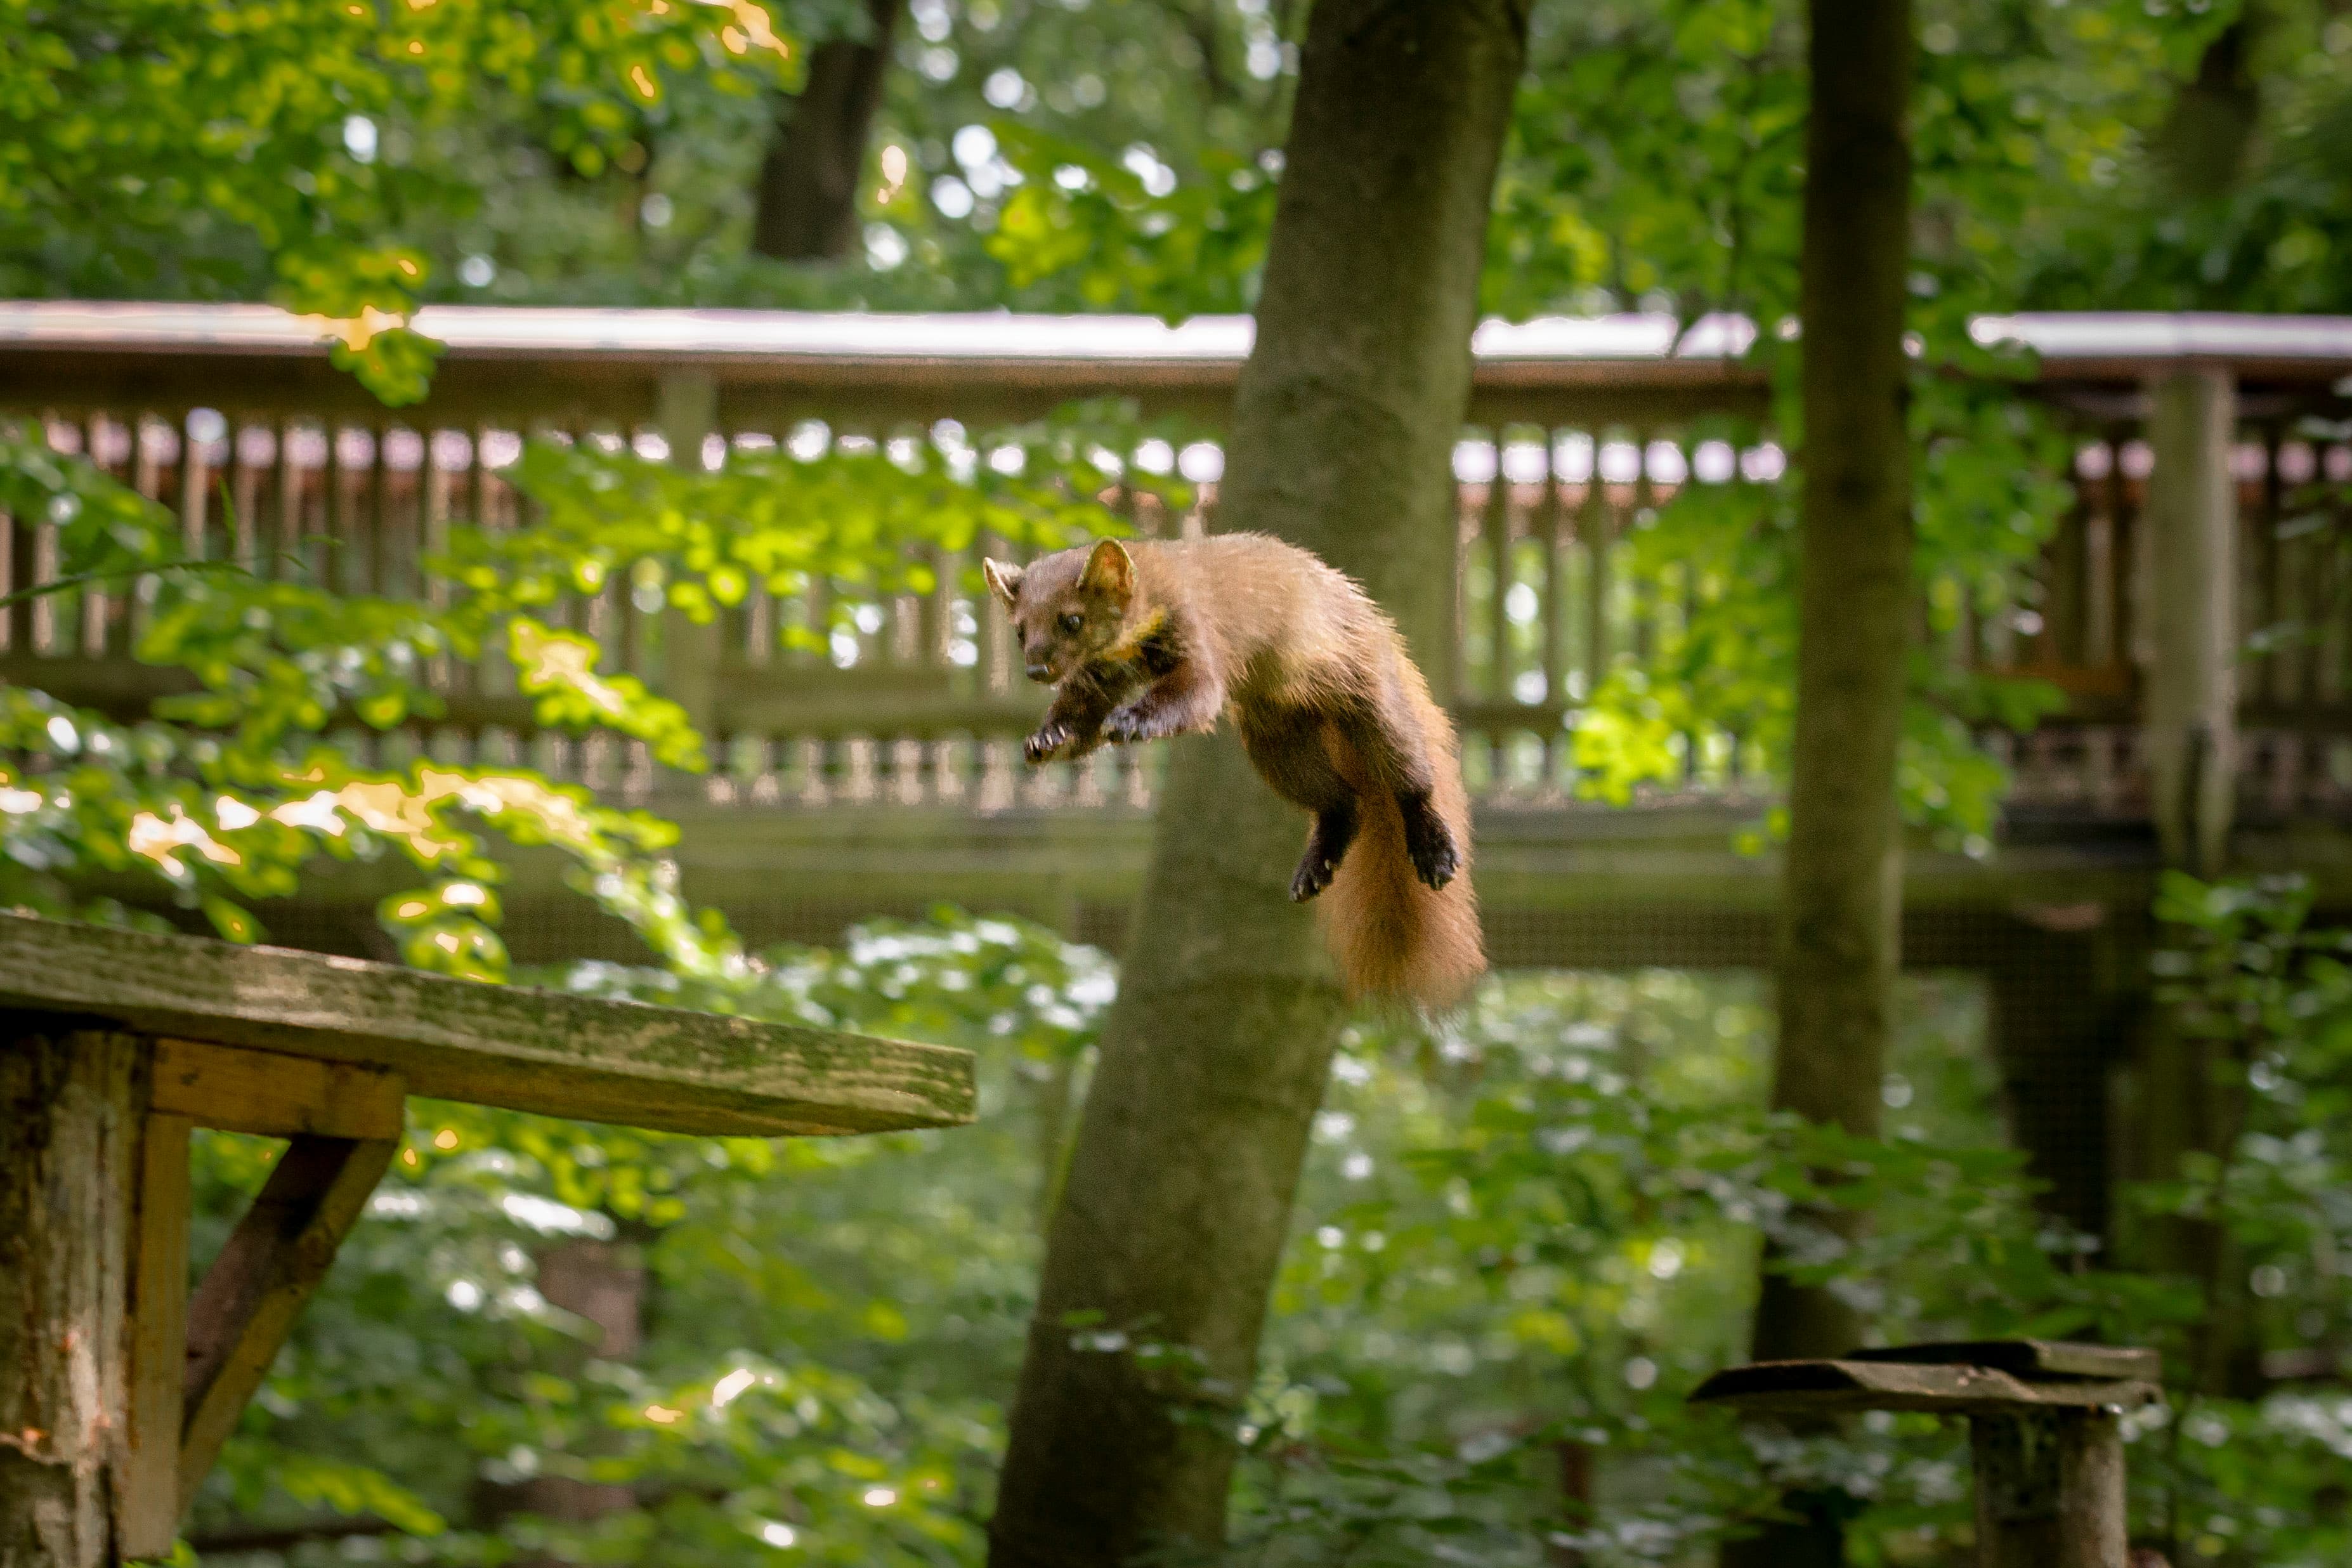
272	1263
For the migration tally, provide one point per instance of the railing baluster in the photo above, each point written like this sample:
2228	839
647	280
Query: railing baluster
16	555
2133	636
1594	528
373	518
1495	524
245	542
1550	529
95	602
335	567
285	559
191	488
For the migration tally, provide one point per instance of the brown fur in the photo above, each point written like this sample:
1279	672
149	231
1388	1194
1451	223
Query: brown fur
1149	639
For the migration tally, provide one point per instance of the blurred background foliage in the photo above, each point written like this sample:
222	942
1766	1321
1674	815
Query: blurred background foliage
1521	1238
1520	1241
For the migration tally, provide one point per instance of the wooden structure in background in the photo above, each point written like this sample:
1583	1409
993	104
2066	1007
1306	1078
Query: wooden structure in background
117	1386
2044	1431
886	777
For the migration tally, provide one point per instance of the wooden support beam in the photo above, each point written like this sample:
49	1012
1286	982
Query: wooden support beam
273	1094
70	1112
148	1506
272	1263
2192	688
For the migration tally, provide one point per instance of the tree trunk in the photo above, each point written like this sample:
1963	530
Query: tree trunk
1177	1201
1841	901
604	1282
808	182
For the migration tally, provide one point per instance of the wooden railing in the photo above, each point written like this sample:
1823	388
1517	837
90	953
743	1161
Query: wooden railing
1580	430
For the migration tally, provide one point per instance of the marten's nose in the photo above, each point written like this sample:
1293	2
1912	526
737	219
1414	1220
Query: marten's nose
1040	671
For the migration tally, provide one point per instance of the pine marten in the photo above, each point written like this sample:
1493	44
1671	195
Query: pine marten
1148	639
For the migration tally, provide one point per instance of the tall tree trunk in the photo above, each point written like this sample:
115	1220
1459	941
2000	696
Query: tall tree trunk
808	182
1177	1201
1841	901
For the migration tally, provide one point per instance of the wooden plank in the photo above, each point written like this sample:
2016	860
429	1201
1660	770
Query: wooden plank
273	1094
148	1506
1809	1387
2032	1359
270	1267
547	1052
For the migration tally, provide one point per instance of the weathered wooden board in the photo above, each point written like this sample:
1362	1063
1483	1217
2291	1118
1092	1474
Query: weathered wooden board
506	1046
2032	1359
1796	1387
273	1094
148	1505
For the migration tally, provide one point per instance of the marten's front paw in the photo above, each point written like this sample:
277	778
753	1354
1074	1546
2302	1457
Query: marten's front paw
1429	843
1047	743
1127	725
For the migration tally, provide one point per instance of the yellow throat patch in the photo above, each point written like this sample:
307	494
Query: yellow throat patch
1132	637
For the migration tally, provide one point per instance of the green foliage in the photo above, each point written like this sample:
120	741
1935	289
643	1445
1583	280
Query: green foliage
2246	1475
208	148
878	520
1519	1242
1989	489
1108	242
832	1323
2221	184
233	788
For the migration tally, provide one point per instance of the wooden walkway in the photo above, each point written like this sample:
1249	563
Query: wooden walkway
2211	458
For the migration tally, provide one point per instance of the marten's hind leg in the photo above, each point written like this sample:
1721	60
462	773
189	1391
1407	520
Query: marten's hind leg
1396	749
1290	756
1327	846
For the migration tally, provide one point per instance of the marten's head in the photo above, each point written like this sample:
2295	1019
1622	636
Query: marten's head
1068	608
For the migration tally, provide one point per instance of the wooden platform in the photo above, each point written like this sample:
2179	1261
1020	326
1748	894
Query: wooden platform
539	1051
118	1387
2045	1432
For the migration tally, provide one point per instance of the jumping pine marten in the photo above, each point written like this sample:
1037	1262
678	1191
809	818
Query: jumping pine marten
1150	639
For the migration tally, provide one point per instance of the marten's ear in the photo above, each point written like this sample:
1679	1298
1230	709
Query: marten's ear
1110	572
1003	581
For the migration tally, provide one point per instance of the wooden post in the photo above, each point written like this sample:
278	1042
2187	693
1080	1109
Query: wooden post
2050	1490
2045	1444
69	1111
151	1499
688	407
2193	689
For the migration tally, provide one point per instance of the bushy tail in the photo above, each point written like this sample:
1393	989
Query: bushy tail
1394	939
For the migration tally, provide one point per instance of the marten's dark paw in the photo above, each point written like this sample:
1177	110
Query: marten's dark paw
1430	845
1043	746
1127	725
1313	874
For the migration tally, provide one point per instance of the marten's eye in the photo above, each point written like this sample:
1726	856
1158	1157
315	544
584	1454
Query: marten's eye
1073	622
